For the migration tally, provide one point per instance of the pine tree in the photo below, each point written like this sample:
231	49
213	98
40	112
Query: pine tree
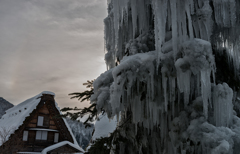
91	110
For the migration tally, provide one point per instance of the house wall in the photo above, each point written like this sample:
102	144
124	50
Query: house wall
32	144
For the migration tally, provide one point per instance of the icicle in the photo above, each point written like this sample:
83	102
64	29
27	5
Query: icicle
206	90
225	12
173	86
152	85
190	28
160	9
174	27
223	108
134	16
164	83
183	80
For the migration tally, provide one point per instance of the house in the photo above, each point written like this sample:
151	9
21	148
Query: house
36	127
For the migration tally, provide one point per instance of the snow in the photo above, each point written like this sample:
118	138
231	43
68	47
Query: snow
101	91
215	139
60	144
103	127
30	152
48	93
51	130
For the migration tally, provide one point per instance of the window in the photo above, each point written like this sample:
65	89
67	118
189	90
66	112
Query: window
56	136
43	121
46	121
41	135
40	121
25	135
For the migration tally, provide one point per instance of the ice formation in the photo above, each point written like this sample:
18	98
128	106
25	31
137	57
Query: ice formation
161	77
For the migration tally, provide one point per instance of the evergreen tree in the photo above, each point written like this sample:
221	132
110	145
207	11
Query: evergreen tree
91	110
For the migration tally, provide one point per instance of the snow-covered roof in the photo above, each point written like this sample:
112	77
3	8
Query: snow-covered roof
104	127
16	115
52	147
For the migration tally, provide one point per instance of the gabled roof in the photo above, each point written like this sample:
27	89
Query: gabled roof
15	116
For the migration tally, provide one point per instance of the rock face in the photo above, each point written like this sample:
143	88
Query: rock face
4	105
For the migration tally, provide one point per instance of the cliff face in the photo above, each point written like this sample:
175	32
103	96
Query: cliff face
4	105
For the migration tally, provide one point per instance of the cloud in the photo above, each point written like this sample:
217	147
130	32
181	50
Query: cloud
51	45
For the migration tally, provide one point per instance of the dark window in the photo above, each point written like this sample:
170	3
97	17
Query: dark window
46	121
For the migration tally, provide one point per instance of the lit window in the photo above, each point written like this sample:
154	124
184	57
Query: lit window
41	135
25	135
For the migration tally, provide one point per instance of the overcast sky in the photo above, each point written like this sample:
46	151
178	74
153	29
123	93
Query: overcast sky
50	45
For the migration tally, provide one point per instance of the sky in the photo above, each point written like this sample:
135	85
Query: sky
50	45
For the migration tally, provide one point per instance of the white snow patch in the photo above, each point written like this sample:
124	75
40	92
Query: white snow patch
52	147
104	126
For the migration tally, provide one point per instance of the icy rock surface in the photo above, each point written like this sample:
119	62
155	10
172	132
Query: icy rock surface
161	77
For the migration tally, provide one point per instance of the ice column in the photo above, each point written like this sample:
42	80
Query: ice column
223	107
